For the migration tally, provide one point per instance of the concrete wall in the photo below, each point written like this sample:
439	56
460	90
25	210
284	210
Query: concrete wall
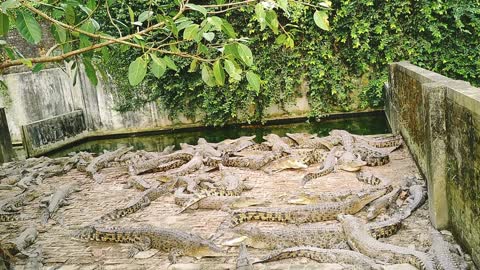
439	119
6	150
50	92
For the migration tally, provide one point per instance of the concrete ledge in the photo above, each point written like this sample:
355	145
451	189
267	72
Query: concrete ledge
439	119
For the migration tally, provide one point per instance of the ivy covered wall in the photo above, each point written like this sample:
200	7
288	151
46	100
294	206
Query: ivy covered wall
341	70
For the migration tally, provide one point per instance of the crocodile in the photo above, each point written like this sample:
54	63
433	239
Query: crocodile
417	197
277	144
310	156
328	167
368	178
236	145
139	202
305	213
175	242
102	161
162	163
318	235
285	163
10	216
333	196
255	163
350	163
393	141
191	166
217	202
321	255
360	240
23	241
35	261
138	183
243	261
441	252
301	139
13	204
58	199
380	205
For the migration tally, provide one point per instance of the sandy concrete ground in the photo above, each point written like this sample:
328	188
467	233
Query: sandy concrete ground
62	252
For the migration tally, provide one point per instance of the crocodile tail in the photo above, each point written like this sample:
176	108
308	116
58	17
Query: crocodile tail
192	202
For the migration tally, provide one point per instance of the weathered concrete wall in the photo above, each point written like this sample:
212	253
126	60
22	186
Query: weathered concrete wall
51	92
439	119
41	136
6	150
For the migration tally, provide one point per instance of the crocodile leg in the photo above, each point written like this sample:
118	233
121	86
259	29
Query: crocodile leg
144	243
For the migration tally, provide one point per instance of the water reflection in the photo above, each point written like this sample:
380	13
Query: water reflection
376	124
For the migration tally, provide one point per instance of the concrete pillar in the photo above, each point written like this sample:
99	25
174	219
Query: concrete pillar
6	150
436	174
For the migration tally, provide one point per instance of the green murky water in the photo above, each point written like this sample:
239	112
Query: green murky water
372	124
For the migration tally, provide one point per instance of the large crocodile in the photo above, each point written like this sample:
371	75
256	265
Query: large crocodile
162	163
23	241
13	204
360	240
305	213
58	199
332	196
328	167
255	163
320	255
101	161
191	166
139	202
243	260
175	242
441	251
385	142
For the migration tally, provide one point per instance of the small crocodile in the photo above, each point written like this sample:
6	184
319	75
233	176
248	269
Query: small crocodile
13	204
381	204
23	241
243	261
101	161
320	255
139	202
217	202
360	240
175	242
58	199
418	196
305	213
441	251
328	167
162	163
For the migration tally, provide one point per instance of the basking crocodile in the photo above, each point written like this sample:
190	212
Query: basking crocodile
350	163
23	241
277	144
380	205
175	242
243	261
138	183
10	216
441	251
13	204
285	163
305	213
58	199
320	255
360	240
102	161
318	235
417	197
217	202
392	141
139	202
332	196
162	163
235	145
328	167
255	163
191	166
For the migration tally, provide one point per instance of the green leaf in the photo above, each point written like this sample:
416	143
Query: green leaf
217	22
209	36
227	28
137	71
260	14
170	64
197	8
207	76
70	14
219	73
321	20
191	32
90	70
283	4
158	66
232	71
131	14
193	66
245	54
9	4
38	67
4	24
28	27
59	33
272	21
253	80
145	16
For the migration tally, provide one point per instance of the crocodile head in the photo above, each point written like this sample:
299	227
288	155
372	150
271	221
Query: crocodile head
350	163
363	198
206	248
